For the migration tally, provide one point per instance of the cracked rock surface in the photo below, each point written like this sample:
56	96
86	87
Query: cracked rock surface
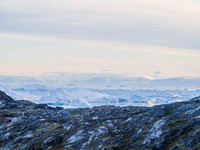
29	126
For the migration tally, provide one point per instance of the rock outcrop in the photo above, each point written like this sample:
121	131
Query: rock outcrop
29	126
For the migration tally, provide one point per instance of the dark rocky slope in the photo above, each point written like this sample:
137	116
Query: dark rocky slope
26	125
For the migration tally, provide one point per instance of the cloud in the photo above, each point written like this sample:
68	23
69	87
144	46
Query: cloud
172	23
157	72
112	45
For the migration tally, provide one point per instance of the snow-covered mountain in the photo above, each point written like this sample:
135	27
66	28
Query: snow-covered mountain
83	97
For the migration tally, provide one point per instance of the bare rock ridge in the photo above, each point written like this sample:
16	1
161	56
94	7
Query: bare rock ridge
3	96
29	126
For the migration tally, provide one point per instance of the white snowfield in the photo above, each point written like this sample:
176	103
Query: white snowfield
82	97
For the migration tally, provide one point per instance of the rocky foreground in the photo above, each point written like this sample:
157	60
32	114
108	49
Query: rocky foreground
29	126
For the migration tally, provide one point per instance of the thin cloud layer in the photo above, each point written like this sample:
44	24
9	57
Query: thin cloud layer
165	23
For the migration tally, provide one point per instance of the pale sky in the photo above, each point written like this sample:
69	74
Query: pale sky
154	37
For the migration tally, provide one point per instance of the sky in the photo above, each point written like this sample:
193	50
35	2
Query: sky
154	38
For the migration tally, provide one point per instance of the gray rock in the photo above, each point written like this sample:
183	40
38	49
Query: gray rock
26	125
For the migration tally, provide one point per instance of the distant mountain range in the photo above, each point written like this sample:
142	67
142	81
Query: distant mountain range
110	81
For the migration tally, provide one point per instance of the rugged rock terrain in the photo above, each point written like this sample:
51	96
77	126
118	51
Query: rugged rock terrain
26	125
